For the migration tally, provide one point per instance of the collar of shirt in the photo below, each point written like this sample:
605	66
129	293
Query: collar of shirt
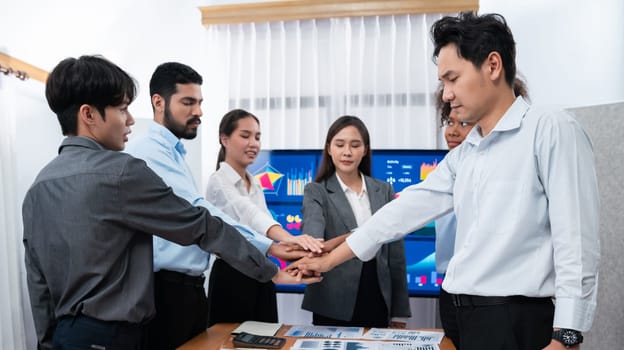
512	119
346	188
167	136
80	141
231	176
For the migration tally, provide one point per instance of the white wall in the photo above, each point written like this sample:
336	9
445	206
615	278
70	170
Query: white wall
570	51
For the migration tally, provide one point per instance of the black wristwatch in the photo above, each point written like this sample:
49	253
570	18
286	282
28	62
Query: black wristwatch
568	337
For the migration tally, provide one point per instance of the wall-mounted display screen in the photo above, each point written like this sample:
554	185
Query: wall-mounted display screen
284	174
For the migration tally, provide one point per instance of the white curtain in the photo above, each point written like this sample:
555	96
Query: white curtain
299	76
12	334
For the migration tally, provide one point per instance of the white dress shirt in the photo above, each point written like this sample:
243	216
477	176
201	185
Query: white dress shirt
359	202
526	201
226	190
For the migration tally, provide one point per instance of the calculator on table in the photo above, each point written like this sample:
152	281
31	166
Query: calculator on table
246	340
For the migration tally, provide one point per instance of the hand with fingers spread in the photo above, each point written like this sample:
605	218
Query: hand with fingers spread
307	242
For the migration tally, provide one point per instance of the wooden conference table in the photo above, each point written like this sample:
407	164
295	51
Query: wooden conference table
219	334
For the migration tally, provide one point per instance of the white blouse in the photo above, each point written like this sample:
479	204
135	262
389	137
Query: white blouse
226	190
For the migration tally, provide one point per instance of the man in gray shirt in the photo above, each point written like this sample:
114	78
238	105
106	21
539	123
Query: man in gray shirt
89	216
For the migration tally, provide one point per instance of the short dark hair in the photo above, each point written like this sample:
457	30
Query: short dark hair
475	38
326	168
167	75
228	124
91	80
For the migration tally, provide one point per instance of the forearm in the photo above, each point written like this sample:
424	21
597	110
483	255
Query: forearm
339	255
335	242
277	233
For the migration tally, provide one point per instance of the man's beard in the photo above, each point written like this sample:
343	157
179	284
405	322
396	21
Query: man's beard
179	130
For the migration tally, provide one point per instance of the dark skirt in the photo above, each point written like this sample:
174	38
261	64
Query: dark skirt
234	297
370	307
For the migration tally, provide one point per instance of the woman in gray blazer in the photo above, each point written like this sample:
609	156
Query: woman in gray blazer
342	197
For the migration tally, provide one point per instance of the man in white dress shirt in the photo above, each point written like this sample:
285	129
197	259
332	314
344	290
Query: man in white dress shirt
524	190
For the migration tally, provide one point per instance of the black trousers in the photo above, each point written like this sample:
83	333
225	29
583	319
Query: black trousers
83	332
448	316
521	324
181	310
234	297
370	308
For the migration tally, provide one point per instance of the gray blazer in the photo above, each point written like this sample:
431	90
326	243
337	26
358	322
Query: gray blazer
327	214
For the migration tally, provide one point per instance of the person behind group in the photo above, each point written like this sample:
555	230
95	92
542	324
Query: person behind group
234	297
180	297
455	132
90	213
524	190
341	198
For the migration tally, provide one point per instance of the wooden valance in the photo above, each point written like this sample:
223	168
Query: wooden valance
308	9
23	67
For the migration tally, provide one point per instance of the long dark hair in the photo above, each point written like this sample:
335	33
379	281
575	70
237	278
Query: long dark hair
228	124
327	169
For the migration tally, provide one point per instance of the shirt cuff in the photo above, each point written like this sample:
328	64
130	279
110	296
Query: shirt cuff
266	223
573	314
362	245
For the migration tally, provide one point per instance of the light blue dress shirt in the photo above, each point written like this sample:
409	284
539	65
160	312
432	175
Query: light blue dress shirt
164	154
445	228
527	207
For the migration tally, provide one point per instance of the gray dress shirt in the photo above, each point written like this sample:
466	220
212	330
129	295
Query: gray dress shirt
88	220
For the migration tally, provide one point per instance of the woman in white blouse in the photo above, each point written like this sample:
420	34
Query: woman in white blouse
234	297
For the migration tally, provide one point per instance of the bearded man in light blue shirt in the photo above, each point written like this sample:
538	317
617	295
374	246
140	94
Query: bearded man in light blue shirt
180	298
524	191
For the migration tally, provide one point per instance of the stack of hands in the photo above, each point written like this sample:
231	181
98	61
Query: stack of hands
308	257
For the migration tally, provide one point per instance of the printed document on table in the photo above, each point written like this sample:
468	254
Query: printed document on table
329	344
325	332
258	328
414	336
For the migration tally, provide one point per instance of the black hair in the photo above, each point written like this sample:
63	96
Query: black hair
167	75
326	168
228	124
475	38
91	80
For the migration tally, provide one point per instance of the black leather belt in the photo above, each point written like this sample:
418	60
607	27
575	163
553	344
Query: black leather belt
180	278
463	300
